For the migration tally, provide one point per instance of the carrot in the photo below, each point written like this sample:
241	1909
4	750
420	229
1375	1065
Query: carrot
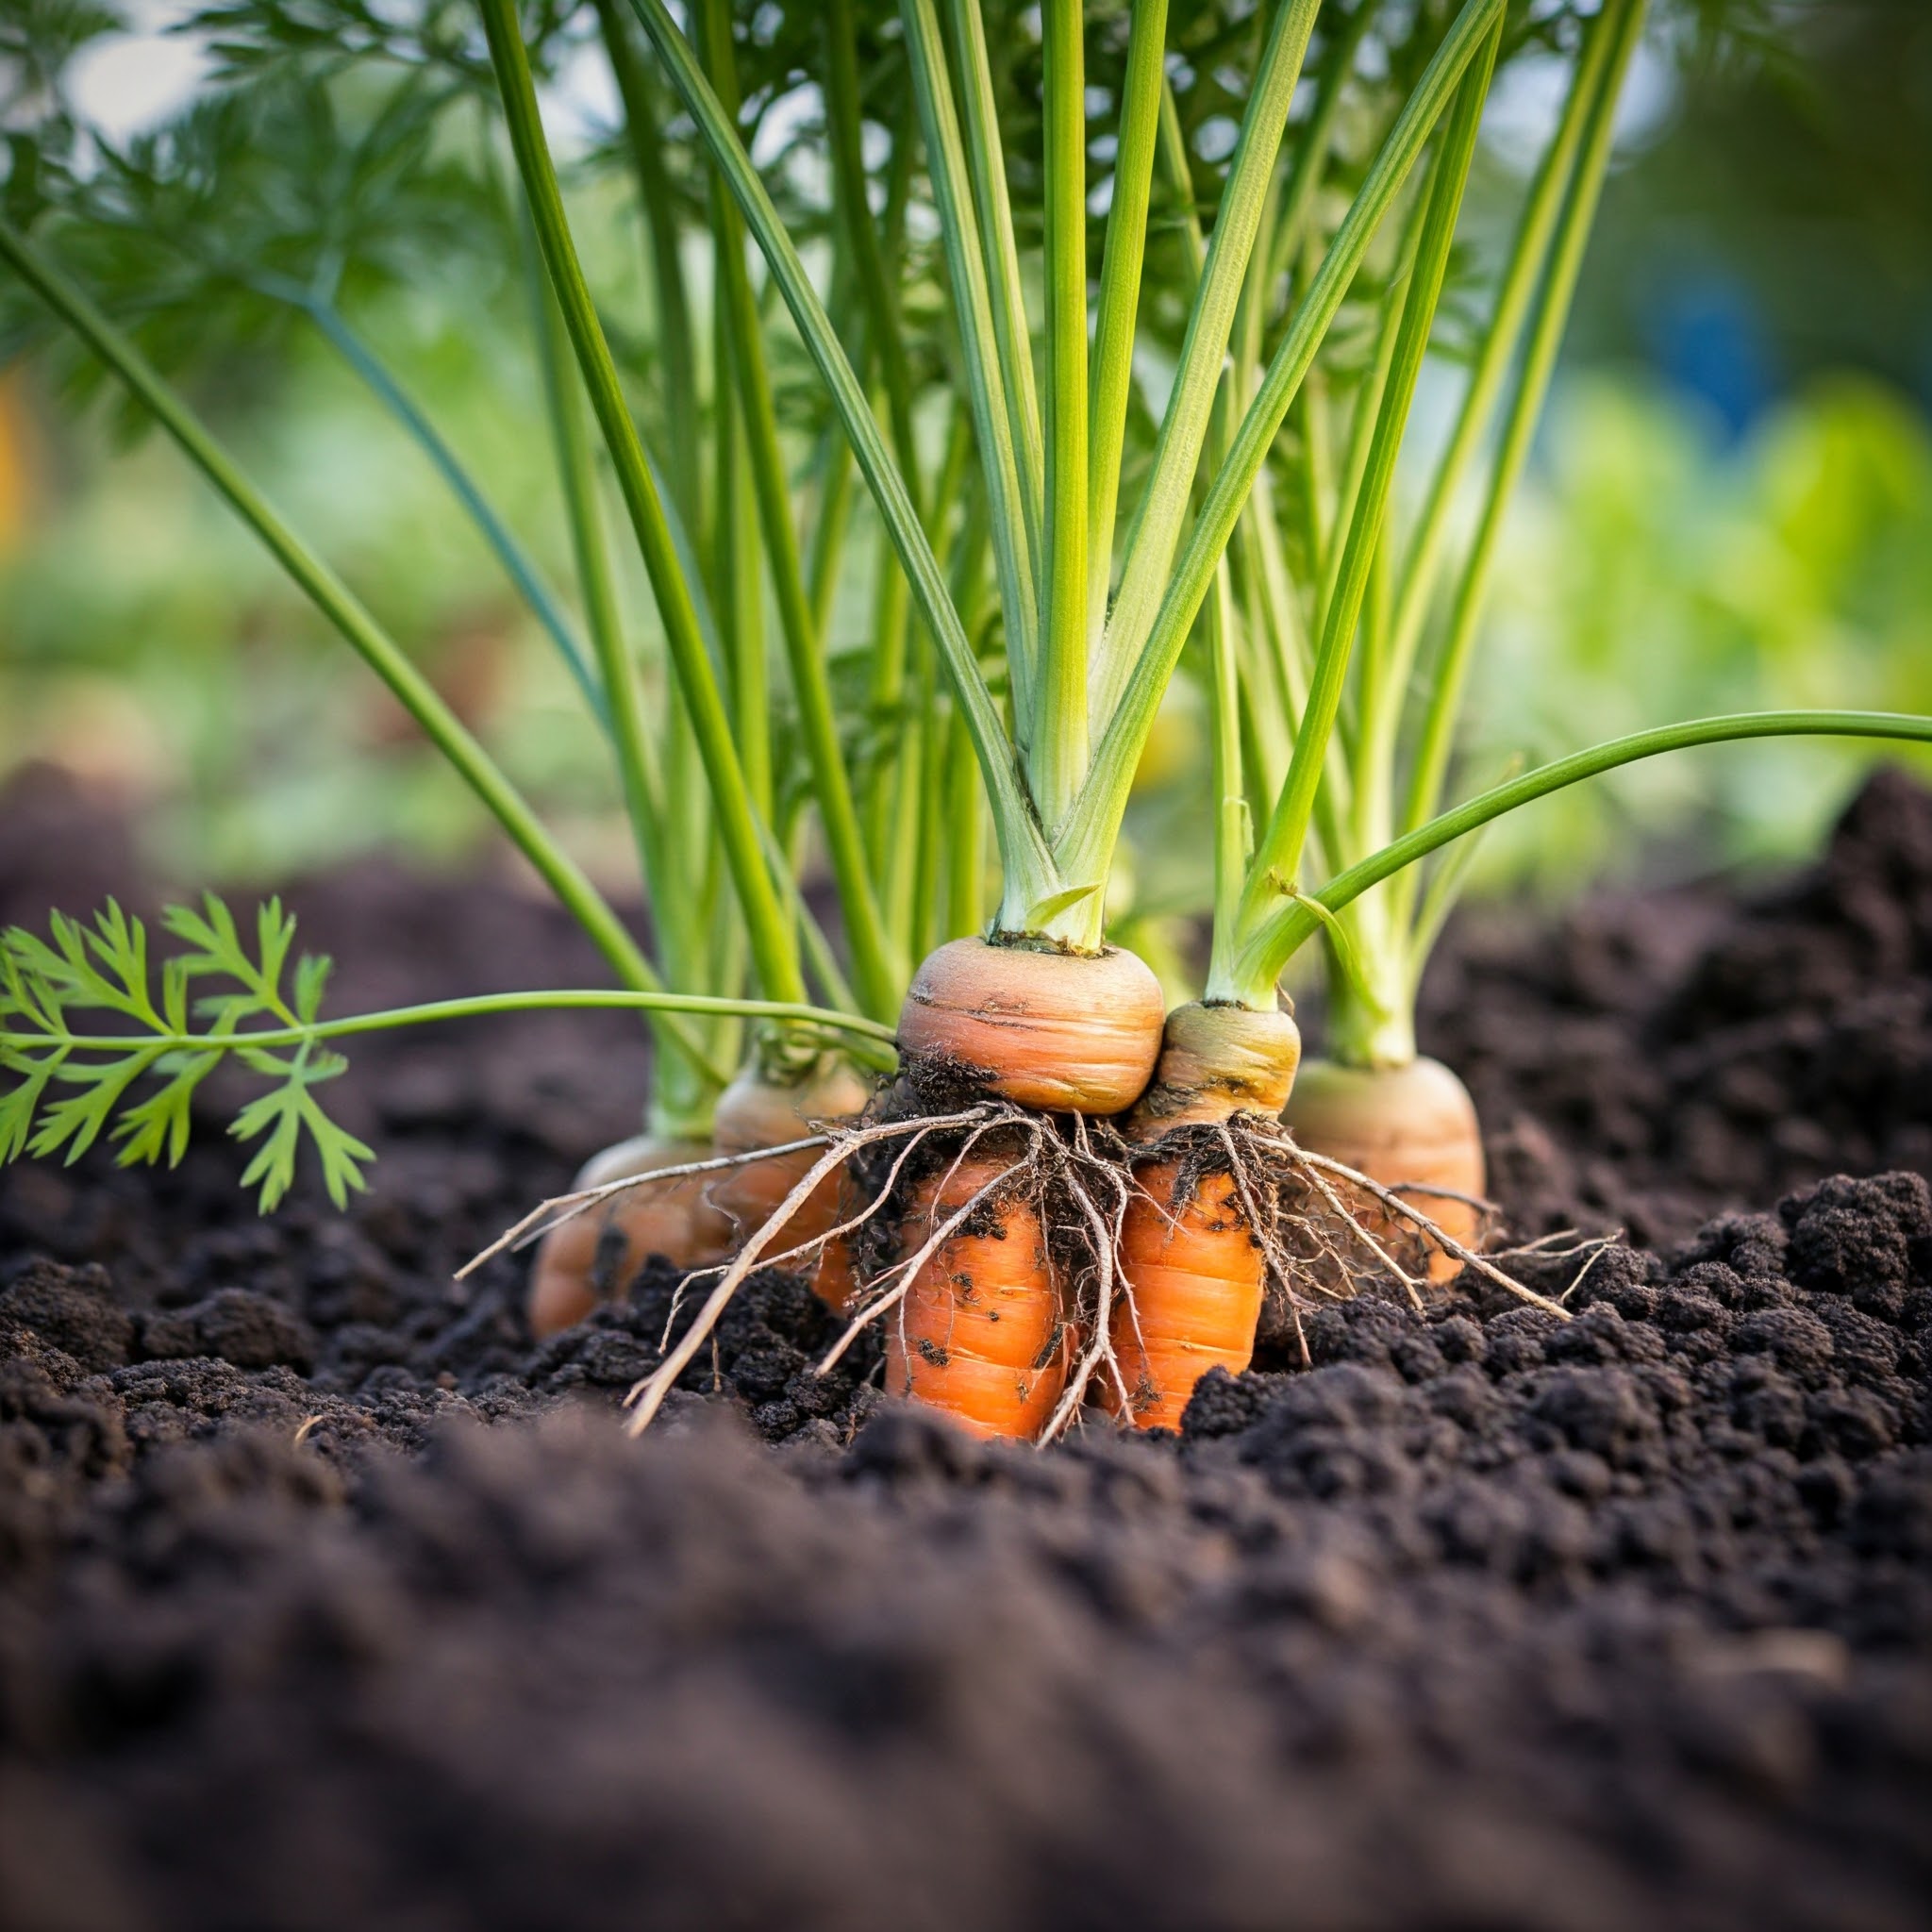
1194	1277
755	1111
1411	1123
669	1218
1216	1061
1069	1032
980	1333
1192	1271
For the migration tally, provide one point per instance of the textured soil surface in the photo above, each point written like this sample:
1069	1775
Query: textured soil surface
328	1600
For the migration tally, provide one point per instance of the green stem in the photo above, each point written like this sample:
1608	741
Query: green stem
1528	256
636	759
345	611
676	344
1120	296
995	413
1311	150
1278	858
883	331
773	950
1083	845
517	563
1538	363
1157	522
877	974
1269	947
1231	823
798	1011
1030	874
1056	759
986	157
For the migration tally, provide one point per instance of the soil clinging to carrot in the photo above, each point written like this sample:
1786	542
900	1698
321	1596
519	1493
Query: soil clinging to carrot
326	1598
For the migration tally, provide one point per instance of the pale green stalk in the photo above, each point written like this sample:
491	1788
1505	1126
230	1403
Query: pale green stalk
1034	883
675	344
1014	526
772	941
1266	950
1083	847
1317	137
518	565
987	161
1157	526
1540	360
346	612
884	335
1278	853
878	974
1528	257
1232	825
1142	94
476	1006
1056	759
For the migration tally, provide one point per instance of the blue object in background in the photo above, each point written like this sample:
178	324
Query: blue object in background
1704	334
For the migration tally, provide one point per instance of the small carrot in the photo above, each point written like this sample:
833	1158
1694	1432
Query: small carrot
668	1218
980	1332
1411	1123
755	1111
1193	1273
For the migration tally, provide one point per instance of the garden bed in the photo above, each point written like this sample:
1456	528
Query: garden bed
329	1600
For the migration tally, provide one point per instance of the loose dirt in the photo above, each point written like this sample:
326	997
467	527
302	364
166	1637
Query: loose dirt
328	1599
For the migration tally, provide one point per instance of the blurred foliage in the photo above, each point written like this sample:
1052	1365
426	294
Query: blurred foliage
342	156
1787	188
1654	569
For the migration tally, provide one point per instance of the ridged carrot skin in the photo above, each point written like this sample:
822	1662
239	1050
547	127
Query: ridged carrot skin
668	1218
1195	1278
980	1333
1061	1031
1414	1122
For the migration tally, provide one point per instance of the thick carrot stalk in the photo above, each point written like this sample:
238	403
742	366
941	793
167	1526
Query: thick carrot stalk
980	1332
1414	1122
1069	1032
592	1257
1195	1277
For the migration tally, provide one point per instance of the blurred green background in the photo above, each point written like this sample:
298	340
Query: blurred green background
1730	506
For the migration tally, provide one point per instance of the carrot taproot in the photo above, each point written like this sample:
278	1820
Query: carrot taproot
1192	1271
1195	1279
1414	1122
594	1254
980	1333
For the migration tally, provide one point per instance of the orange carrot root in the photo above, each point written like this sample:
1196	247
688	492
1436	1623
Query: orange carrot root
1414	1122
668	1218
753	1113
1216	1061
1059	1031
1195	1277
980	1333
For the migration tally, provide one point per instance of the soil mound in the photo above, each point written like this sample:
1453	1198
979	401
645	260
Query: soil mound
326	1598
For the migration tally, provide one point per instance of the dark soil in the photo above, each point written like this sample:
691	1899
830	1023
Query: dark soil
330	1601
